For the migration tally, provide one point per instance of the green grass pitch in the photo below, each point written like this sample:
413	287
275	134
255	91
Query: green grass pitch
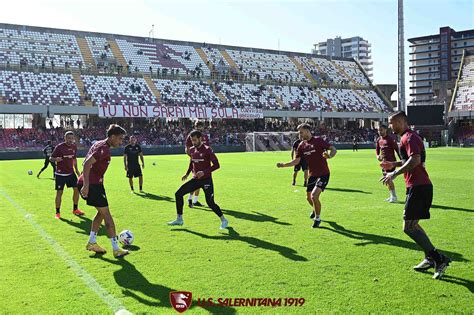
358	261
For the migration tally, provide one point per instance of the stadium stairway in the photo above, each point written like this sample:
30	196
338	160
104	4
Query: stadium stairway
152	87
204	58
277	98
303	70
85	51
315	65
374	106
344	73
218	93
230	61
76	75
117	53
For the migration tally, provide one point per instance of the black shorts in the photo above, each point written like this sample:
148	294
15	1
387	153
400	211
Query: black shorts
134	171
418	202
301	166
61	181
320	182
96	197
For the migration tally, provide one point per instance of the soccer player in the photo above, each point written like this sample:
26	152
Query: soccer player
64	155
91	183
203	163
198	125
314	150
419	192
355	144
385	150
130	159
303	165
47	151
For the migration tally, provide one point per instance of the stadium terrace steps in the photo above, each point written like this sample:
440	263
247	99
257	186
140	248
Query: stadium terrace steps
230	61
302	69
152	87
117	53
204	58
367	100
310	60
76	75
277	98
219	94
343	72
325	100
85	51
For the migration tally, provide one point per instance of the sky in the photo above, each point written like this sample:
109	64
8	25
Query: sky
284	24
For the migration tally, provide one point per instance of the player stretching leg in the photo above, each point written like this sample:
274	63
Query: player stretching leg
130	159
385	149
91	183
47	151
198	125
64	155
419	192
314	151
303	165
202	157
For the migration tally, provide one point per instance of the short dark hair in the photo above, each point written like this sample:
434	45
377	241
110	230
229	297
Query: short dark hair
303	126
383	126
115	130
195	133
68	133
400	114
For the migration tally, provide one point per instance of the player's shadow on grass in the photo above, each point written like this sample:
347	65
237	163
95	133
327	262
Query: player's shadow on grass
155	197
254	242
469	284
368	239
136	285
254	216
82	223
451	208
348	190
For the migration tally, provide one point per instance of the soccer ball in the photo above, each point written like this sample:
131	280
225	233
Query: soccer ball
126	237
30	172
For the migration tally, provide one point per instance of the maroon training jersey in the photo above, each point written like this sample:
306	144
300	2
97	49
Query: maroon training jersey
101	153
68	154
201	159
204	140
312	151
411	144
387	147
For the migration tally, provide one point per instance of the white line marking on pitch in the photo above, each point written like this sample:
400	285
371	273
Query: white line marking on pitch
88	279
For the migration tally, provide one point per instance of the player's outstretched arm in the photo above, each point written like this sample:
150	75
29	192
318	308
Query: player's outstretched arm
294	162
76	169
190	167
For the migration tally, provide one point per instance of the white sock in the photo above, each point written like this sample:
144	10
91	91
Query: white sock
114	241
190	197
92	237
195	199
318	218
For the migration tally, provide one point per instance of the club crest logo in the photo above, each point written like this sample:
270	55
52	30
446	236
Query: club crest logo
181	300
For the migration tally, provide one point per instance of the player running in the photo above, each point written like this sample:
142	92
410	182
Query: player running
47	151
91	183
303	165
314	150
64	155
203	163
385	150
419	192
130	159
198	125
